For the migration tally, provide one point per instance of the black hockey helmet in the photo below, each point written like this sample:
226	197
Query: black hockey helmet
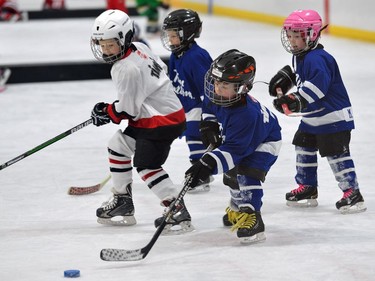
233	67
186	23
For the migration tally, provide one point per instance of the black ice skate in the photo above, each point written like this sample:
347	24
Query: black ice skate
249	225
180	221
203	187
351	202
119	210
303	196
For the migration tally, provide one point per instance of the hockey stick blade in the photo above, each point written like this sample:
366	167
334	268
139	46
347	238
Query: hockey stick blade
140	254
79	190
132	255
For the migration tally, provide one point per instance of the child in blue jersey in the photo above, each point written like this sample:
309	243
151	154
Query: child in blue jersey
245	138
326	111
188	64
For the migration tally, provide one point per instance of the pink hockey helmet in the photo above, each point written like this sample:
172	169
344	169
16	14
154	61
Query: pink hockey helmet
308	23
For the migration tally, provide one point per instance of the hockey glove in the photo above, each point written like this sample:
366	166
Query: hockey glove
99	114
200	171
294	101
210	133
284	79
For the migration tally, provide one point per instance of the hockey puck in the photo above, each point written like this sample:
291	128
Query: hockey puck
72	273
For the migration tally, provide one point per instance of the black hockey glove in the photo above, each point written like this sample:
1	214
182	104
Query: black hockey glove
284	79
99	114
200	171
294	101
210	133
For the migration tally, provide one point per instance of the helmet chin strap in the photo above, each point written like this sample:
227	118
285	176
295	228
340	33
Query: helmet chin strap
324	27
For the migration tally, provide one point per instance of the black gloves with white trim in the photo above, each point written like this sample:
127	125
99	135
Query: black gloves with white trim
103	113
210	133
284	79
200	171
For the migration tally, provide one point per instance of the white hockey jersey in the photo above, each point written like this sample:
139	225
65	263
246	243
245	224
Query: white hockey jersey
146	96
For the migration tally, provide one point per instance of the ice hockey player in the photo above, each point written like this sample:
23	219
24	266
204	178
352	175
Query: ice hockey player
54	5
188	65
321	92
251	141
117	5
155	119
9	11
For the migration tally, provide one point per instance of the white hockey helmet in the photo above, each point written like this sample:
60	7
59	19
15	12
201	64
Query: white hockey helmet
112	24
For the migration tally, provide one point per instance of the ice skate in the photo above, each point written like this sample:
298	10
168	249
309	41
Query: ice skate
303	196
179	223
203	187
249	225
119	210
351	202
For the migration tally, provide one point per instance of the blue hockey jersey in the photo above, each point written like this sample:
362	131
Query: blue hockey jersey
246	130
187	75
319	82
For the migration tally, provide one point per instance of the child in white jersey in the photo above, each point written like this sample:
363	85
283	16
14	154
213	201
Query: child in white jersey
155	119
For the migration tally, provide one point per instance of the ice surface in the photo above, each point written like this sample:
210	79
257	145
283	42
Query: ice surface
43	231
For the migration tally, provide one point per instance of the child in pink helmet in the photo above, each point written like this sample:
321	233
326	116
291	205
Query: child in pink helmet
321	99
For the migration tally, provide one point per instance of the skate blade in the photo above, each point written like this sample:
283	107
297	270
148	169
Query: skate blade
118	221
178	229
357	208
305	203
259	237
199	189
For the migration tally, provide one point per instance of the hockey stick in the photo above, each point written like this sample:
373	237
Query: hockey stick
47	143
79	190
140	254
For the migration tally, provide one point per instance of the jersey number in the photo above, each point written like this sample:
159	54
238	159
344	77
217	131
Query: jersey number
155	69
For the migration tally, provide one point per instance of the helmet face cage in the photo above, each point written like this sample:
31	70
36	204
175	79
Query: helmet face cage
308	24
166	35
100	56
184	23
112	24
209	90
232	69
